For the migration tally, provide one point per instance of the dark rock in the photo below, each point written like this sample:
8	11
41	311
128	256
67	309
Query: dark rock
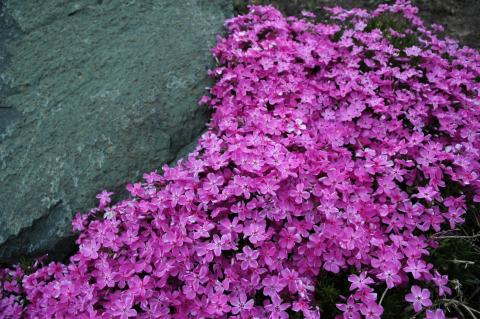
8	32
461	18
106	90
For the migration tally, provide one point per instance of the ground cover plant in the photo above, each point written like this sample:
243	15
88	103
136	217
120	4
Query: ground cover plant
339	152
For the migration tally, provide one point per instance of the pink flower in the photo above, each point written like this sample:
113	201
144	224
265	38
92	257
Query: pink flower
299	194
255	232
371	310
289	237
212	183
141	287
413	51
218	244
240	186
240	303
296	127
277	309
441	282
333	262
104	198
435	314
231	226
203	230
419	297
350	309
152	178
291	280
390	275
272	285
248	258
416	267
428	193
269	186
79	222
218	304
122	307
360	282
90	249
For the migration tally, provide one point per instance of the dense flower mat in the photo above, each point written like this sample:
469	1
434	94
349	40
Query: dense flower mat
336	148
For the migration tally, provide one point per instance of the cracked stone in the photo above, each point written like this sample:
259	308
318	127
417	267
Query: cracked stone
103	91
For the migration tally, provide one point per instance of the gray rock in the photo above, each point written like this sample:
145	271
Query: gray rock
8	32
459	17
106	90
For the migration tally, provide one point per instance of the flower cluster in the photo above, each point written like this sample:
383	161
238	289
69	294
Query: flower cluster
334	148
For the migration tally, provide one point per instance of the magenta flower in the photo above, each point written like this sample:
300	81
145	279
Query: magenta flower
413	51
296	127
231	226
291	280
141	287
203	230
90	249
419	297
248	258
255	232
272	285
276	309
360	282
371	310
299	194
435	314
218	244
416	267
240	186
441	282
122	307
350	309
105	278
212	183
104	198
241	304
390	275
333	262
269	186
218	304
289	237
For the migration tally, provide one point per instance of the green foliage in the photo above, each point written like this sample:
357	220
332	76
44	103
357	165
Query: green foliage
293	7
387	21
290	7
327	290
459	258
397	22
26	263
395	306
384	22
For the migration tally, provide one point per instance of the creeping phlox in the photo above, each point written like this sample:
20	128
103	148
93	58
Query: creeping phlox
334	148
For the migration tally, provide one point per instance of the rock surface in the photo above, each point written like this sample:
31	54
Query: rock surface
8	32
102	91
461	18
